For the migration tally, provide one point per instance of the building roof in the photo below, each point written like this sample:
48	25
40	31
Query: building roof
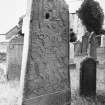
11	32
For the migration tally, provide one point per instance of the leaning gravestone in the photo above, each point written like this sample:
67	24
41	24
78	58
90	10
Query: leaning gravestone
88	77
45	65
14	57
85	43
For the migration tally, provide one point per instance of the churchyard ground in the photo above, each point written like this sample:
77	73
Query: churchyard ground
9	91
100	97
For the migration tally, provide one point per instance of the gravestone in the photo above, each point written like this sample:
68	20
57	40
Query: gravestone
72	64
92	47
14	58
71	52
45	65
98	40
77	48
102	41
88	77
85	43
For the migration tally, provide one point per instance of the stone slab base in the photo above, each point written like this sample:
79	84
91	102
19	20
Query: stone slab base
59	98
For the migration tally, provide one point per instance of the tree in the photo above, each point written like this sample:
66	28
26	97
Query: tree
73	36
92	17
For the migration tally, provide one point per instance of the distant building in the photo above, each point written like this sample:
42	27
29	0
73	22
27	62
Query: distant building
12	32
14	50
5	38
3	43
16	30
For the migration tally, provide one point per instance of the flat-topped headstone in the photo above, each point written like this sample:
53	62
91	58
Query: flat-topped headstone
45	65
102	41
72	64
71	52
77	48
85	43
14	58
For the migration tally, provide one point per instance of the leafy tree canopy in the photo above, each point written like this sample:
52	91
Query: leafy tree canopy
92	16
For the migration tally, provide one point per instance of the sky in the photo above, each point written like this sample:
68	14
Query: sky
11	10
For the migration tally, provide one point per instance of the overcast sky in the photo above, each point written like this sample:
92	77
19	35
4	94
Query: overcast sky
11	10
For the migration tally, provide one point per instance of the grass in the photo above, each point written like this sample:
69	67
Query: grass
9	91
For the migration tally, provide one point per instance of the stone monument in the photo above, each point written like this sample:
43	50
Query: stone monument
72	64
85	43
88	77
77	48
102	41
45	67
71	52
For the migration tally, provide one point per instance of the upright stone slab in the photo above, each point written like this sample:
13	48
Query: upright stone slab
72	64
77	48
92	46
46	78
85	43
14	57
102	41
71	52
88	77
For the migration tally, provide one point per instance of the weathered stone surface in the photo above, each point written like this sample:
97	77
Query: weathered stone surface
85	42
71	52
14	58
102	41
59	98
48	54
92	46
88	77
77	48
